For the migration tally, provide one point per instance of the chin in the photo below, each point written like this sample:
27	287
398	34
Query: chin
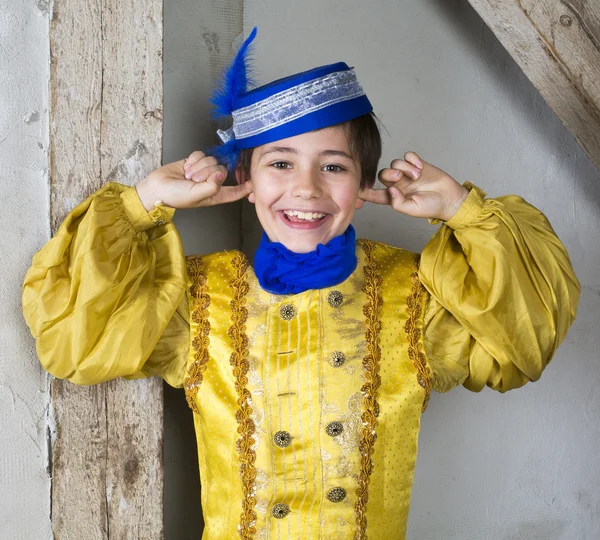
305	243
301	246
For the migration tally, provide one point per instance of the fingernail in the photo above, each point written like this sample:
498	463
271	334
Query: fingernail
416	173
394	192
397	174
187	175
419	164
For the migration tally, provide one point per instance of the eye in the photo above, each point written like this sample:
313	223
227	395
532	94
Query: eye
333	168
280	165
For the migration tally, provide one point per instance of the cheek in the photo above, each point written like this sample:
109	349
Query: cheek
346	197
265	193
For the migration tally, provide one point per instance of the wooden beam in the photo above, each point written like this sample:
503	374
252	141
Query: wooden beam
557	44
105	125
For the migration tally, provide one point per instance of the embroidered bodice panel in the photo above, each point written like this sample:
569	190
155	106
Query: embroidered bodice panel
307	406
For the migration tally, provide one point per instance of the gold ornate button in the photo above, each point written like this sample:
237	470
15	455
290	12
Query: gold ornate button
287	312
282	439
280	510
333	429
336	495
337	358
335	299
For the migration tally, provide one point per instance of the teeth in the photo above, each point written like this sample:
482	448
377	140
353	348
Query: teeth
309	216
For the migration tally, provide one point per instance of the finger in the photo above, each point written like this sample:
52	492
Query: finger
390	176
228	194
217	177
377	196
214	193
206	172
202	193
406	167
414	159
206	161
398	198
193	158
411	205
402	184
179	165
405	184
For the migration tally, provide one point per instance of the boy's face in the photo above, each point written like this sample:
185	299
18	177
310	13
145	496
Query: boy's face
305	188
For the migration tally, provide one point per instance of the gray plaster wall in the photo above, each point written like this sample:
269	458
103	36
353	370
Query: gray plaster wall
523	465
24	72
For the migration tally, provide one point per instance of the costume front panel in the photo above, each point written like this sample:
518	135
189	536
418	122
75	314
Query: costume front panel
308	405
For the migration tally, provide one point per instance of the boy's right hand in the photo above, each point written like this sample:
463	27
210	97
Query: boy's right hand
190	183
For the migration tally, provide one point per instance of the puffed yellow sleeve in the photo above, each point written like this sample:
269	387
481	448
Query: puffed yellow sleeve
106	296
502	294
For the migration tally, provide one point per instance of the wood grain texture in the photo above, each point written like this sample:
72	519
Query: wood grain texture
557	45
105	125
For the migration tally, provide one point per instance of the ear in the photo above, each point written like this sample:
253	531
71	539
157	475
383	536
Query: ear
240	178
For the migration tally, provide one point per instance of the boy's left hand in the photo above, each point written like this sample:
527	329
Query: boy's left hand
417	188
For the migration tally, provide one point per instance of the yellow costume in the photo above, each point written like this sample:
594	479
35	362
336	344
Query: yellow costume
307	406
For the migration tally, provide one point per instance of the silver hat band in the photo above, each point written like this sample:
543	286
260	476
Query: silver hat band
293	103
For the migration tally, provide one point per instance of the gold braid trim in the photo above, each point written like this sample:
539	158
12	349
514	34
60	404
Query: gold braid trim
413	333
200	302
371	361
239	362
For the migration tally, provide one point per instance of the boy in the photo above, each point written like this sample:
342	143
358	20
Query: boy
308	373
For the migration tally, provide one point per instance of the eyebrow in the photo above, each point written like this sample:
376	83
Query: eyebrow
280	149
289	150
335	153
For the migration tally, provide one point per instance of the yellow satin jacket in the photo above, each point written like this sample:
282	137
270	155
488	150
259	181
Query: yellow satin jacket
306	407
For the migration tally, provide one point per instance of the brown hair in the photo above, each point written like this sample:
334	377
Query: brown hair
364	140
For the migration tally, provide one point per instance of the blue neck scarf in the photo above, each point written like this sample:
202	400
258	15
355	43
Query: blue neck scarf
281	271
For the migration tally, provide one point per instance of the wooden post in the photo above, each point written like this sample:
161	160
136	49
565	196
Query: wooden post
105	125
557	44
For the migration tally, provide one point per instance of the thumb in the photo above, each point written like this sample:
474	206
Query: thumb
176	168
398	197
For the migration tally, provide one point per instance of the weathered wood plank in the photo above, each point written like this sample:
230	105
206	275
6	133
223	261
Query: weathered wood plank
106	124
79	462
557	45
79	448
132	104
75	104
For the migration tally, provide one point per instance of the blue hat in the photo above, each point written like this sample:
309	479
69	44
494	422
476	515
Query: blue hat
314	99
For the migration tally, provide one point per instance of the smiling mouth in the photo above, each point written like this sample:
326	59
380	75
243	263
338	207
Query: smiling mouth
296	216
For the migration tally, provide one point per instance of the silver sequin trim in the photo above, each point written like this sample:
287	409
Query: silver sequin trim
225	135
295	102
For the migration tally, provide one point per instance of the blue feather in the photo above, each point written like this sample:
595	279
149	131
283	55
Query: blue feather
235	80
226	154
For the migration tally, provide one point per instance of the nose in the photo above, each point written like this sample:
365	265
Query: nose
307	185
